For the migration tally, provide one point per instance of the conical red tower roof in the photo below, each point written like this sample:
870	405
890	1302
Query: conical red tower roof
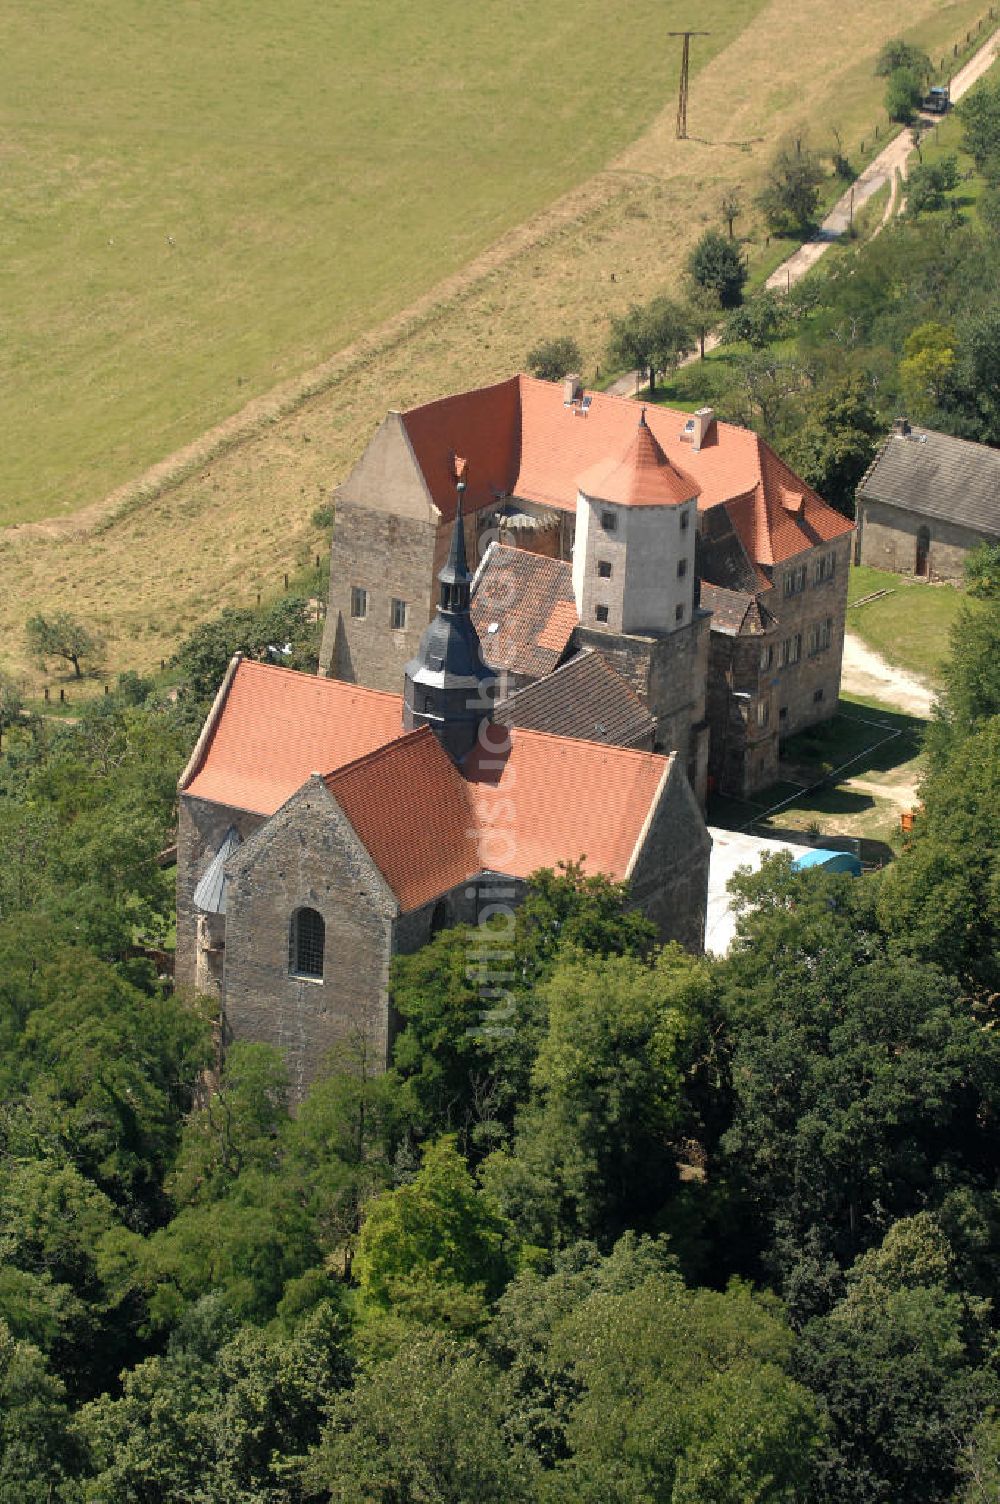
643	477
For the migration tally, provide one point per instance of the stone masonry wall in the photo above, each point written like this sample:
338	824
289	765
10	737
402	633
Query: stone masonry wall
200	829
391	558
669	674
806	692
888	540
308	855
670	878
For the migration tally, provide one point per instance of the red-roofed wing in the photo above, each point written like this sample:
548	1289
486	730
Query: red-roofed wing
276	727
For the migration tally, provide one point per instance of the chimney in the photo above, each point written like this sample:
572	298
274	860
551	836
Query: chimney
572	390
901	426
704	420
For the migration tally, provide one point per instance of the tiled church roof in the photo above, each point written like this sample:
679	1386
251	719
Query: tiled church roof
520	438
271	727
527	800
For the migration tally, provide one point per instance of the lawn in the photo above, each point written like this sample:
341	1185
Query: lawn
843	782
910	626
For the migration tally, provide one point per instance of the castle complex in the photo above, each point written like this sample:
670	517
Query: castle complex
592	609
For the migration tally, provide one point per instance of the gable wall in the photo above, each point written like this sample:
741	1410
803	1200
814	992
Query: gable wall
670	879
307	855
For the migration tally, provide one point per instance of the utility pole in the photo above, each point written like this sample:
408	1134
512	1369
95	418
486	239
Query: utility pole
682	97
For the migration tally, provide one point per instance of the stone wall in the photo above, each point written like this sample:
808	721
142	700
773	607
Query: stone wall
200	830
743	754
887	539
307	855
669	675
806	692
390	558
670	879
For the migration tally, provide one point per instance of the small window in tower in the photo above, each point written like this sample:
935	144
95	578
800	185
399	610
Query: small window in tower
609	522
685	520
306	939
604	569
398	615
601	612
817	695
359	601
679	613
682	568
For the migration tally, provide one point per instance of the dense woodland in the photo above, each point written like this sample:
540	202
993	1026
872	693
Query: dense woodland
691	1231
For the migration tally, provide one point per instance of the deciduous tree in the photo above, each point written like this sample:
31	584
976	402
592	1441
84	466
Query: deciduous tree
63	636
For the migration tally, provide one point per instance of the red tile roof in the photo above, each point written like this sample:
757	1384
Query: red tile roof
520	439
527	800
528	598
641	477
274	727
535	802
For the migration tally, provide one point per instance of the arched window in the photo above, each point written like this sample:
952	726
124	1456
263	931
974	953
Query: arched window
306	936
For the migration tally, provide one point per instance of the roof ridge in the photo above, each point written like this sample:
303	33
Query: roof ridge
609	747
377	753
321	679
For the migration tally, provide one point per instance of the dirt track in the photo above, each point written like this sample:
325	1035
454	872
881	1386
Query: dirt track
867	673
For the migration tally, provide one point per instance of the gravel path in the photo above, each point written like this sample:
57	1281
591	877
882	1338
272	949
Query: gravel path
880	170
867	673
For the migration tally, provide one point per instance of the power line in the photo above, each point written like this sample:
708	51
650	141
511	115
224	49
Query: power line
682	97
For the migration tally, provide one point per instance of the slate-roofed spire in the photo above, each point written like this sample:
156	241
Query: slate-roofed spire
448	686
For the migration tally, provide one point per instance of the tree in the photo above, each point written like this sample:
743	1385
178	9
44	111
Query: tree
790	194
204	656
928	361
434	1250
38	1455
835	442
684	1398
982	572
593	1148
928	183
861	1079
731	207
221	1415
11	705
716	263
552	359
703	308
425	1425
896	1367
940	900
62	636
979	113
900	54
903	94
652	337
760	321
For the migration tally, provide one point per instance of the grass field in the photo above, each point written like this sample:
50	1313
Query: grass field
312	226
910	627
203	199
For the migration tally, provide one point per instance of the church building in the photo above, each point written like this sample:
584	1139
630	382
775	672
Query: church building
325	826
